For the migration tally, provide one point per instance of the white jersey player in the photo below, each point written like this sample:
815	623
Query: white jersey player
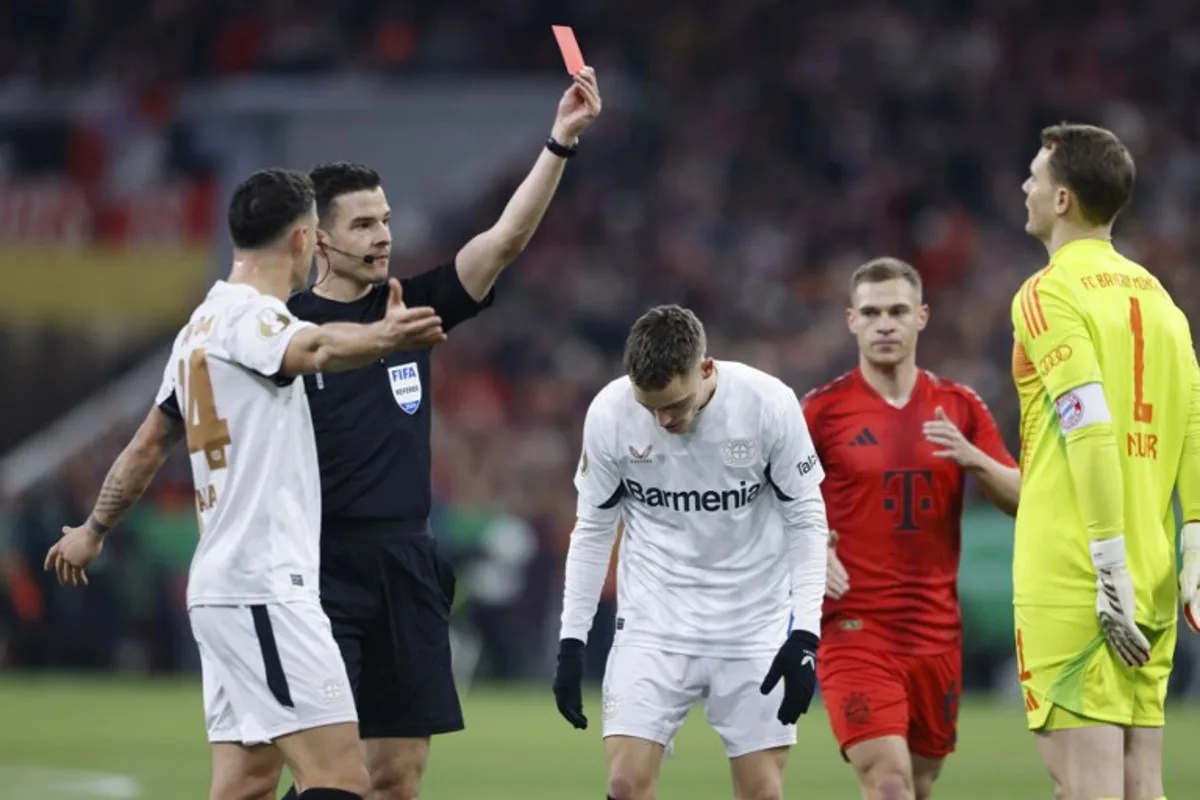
254	462
721	568
272	672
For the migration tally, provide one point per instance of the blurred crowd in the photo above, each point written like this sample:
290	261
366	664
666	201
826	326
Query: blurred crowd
767	149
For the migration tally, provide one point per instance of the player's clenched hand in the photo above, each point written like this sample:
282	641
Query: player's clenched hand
74	553
1115	602
579	106
796	665
942	432
837	580
568	682
410	328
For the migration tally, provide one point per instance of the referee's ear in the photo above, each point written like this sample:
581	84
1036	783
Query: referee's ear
320	260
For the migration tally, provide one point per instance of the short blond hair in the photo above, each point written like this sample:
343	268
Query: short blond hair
885	268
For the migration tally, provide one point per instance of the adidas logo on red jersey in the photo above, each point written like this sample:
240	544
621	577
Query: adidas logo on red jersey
864	438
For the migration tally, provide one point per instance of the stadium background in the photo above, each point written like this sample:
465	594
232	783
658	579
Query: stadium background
749	156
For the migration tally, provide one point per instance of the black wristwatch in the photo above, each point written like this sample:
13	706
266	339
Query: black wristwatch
561	150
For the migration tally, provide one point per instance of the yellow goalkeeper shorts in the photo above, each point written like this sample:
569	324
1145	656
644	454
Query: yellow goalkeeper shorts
1071	678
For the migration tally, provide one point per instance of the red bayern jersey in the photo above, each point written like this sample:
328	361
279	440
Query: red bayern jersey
896	508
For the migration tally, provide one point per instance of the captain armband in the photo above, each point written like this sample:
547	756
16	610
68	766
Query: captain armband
1082	406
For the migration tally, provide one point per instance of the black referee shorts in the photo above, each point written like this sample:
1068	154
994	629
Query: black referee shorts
387	593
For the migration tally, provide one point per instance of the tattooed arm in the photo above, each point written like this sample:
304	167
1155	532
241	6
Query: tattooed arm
133	470
127	479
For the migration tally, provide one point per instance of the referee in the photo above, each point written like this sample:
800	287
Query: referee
384	586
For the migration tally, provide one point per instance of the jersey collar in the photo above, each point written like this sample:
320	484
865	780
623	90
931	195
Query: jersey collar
714	403
918	387
1081	246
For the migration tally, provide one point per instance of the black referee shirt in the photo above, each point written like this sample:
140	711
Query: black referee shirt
373	423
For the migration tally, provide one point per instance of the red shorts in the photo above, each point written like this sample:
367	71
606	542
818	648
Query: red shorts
874	693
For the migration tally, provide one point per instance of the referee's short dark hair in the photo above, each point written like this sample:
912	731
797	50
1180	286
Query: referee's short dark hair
664	343
337	178
266	204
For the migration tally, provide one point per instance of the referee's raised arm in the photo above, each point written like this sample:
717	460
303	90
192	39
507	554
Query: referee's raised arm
479	262
386	589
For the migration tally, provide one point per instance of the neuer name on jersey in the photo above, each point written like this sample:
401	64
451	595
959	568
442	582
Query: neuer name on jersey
725	533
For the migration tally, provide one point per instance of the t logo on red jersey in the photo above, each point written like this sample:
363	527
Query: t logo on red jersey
907	491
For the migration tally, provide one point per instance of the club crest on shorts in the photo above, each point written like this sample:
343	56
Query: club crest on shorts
406	386
856	708
739	452
609	705
331	690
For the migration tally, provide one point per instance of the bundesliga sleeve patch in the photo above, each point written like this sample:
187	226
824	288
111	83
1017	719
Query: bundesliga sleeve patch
272	323
1081	407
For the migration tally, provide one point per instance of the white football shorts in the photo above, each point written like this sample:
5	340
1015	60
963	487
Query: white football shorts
648	693
269	670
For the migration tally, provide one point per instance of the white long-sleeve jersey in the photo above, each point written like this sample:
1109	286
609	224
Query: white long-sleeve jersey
725	534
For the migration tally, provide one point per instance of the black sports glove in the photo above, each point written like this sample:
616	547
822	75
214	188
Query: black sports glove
796	663
568	682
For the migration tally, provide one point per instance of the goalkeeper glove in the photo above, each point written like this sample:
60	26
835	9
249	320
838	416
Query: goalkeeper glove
568	682
796	664
1189	576
1115	603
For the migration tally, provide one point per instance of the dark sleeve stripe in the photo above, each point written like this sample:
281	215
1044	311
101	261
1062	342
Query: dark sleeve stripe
170	407
778	492
616	497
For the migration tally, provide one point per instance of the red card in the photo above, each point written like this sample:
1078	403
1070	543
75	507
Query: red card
572	56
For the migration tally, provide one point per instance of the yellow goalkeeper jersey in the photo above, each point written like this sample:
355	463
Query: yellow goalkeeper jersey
1094	316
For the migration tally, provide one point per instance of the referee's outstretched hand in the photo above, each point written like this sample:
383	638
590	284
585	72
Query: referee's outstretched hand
410	328
568	682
